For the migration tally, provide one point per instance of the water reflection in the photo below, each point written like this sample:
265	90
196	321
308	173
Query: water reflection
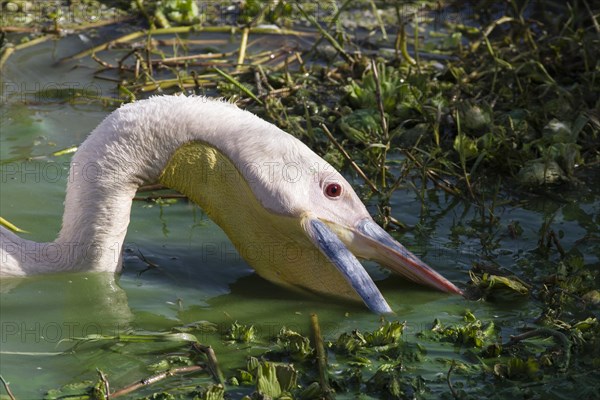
41	314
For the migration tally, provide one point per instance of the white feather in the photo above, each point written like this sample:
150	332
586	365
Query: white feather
132	146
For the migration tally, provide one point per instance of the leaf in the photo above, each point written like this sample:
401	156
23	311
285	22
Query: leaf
287	376
465	146
62	152
388	333
494	282
517	368
293	343
252	364
10	226
387	380
592	297
362	126
142	338
266	382
588	323
170	362
212	392
238	84
312	391
350	342
472	333
540	172
241	333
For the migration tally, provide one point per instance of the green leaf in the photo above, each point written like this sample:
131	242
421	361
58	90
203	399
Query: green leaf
10	226
266	382
293	343
241	333
465	146
489	282
211	392
388	333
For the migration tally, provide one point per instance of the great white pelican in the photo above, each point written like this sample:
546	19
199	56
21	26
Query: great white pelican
290	215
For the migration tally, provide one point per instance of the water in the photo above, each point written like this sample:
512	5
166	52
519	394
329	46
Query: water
194	281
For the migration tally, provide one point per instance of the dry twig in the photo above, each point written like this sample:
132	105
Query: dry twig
321	357
155	378
213	364
7	388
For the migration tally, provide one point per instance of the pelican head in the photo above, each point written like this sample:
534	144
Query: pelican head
289	213
340	227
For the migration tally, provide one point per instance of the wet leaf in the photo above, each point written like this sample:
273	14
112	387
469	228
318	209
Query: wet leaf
538	173
11	226
388	333
592	297
387	380
69	390
293	343
312	391
266	382
362	95
170	362
475	119
465	146
241	333
179	12
273	379
350	342
245	377
489	282
201	326
558	131
159	396
472	333
587	324
518	369
362	126
211	392
287	376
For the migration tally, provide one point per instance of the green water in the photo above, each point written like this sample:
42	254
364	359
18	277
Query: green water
200	276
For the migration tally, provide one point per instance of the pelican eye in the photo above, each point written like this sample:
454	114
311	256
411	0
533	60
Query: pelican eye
333	190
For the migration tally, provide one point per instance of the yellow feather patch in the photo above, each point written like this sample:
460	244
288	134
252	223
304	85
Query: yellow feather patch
276	246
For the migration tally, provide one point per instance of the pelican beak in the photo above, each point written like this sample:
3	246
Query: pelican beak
341	245
368	240
352	270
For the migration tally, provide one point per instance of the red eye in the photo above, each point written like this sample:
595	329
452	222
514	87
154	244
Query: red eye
333	190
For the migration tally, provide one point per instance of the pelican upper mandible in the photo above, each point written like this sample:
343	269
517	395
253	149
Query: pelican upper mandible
290	215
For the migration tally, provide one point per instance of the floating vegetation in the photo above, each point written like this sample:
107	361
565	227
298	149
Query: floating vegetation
241	333
488	284
273	380
379	363
293	344
473	333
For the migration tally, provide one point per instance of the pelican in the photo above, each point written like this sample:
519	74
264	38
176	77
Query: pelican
290	215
